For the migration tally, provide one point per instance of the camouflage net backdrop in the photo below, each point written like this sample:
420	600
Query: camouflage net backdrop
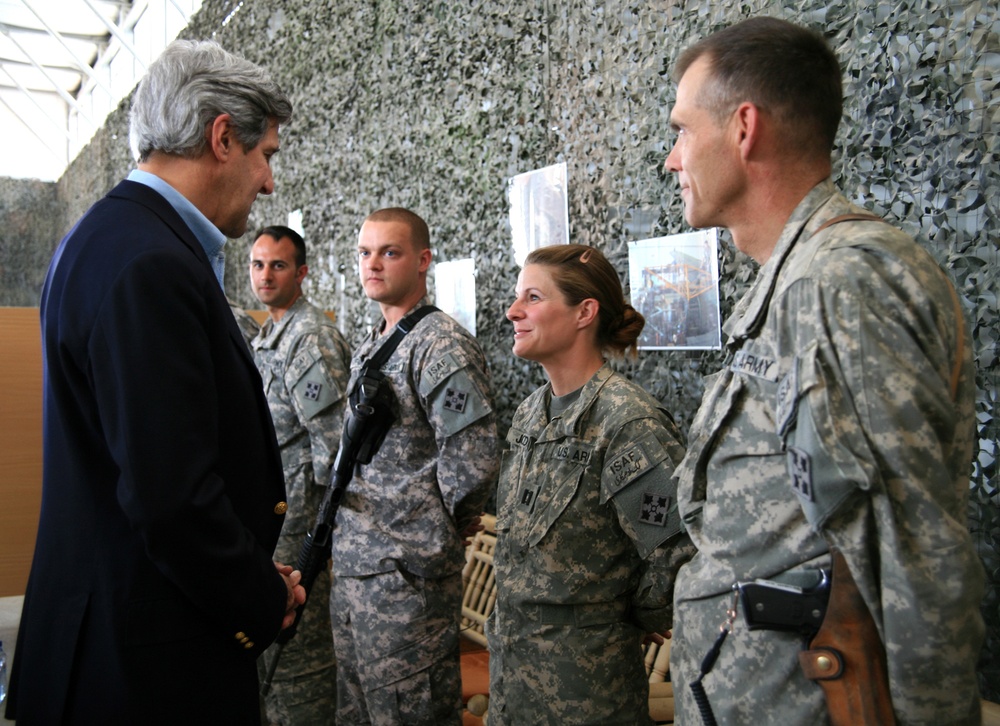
434	104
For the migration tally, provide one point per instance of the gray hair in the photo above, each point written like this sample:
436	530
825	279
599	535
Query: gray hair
188	86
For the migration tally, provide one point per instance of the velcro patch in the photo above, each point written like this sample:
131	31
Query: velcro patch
313	389
800	469
787	398
627	465
438	371
455	400
758	366
576	453
654	509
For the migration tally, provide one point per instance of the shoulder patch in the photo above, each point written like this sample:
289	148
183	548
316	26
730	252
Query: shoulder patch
439	371
456	405
627	465
315	390
654	509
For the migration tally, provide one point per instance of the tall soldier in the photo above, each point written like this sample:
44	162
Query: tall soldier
398	547
844	418
305	363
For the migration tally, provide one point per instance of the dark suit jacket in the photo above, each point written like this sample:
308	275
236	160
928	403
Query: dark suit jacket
152	589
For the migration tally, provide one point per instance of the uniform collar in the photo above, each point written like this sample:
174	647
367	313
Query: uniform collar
270	331
570	421
750	311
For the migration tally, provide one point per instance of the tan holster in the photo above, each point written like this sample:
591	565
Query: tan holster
846	657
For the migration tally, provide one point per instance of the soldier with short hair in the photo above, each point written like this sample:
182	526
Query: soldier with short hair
398	545
841	429
304	362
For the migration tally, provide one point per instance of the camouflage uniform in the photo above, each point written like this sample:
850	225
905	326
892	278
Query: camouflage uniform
588	543
248	326
304	362
397	549
845	416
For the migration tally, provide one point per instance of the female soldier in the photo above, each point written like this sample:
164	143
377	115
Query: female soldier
588	536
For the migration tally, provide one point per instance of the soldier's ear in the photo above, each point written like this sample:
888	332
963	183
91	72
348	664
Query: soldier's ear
587	312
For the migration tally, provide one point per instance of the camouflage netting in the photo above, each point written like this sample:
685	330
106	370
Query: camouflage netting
435	104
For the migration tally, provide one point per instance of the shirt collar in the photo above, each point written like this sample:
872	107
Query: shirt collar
207	234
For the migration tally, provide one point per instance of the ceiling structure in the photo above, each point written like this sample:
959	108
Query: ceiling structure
65	64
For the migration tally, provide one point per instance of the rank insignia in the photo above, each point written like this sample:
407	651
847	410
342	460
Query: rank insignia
313	390
455	400
654	509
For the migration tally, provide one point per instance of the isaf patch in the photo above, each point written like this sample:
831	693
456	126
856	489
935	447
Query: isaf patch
628	466
800	469
654	509
312	391
455	400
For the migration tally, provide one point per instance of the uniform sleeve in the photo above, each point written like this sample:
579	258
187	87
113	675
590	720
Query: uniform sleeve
638	481
873	437
316	379
454	389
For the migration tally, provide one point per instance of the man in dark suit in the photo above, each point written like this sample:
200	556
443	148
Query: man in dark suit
152	590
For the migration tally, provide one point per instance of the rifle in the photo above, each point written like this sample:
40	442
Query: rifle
363	433
373	412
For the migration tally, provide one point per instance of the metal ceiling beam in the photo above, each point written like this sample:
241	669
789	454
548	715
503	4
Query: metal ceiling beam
83	65
61	128
16	62
65	96
85	37
116	31
59	155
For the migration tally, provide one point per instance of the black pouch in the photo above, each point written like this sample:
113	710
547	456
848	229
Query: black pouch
373	392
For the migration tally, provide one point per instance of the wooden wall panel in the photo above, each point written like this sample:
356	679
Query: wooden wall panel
20	445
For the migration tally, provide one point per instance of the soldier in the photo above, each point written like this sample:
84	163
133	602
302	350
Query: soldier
588	535
844	420
398	546
305	363
249	327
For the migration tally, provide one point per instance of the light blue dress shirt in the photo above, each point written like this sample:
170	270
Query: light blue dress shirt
211	239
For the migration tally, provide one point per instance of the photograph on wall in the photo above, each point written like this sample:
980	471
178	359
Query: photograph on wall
455	290
674	282
539	209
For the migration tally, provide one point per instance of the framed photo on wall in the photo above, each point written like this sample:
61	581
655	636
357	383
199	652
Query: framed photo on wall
455	290
674	283
539	209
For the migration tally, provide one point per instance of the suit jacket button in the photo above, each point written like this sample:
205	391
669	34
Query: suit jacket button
280	508
240	636
248	645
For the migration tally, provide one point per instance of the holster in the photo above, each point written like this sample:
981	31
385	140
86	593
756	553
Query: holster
846	656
